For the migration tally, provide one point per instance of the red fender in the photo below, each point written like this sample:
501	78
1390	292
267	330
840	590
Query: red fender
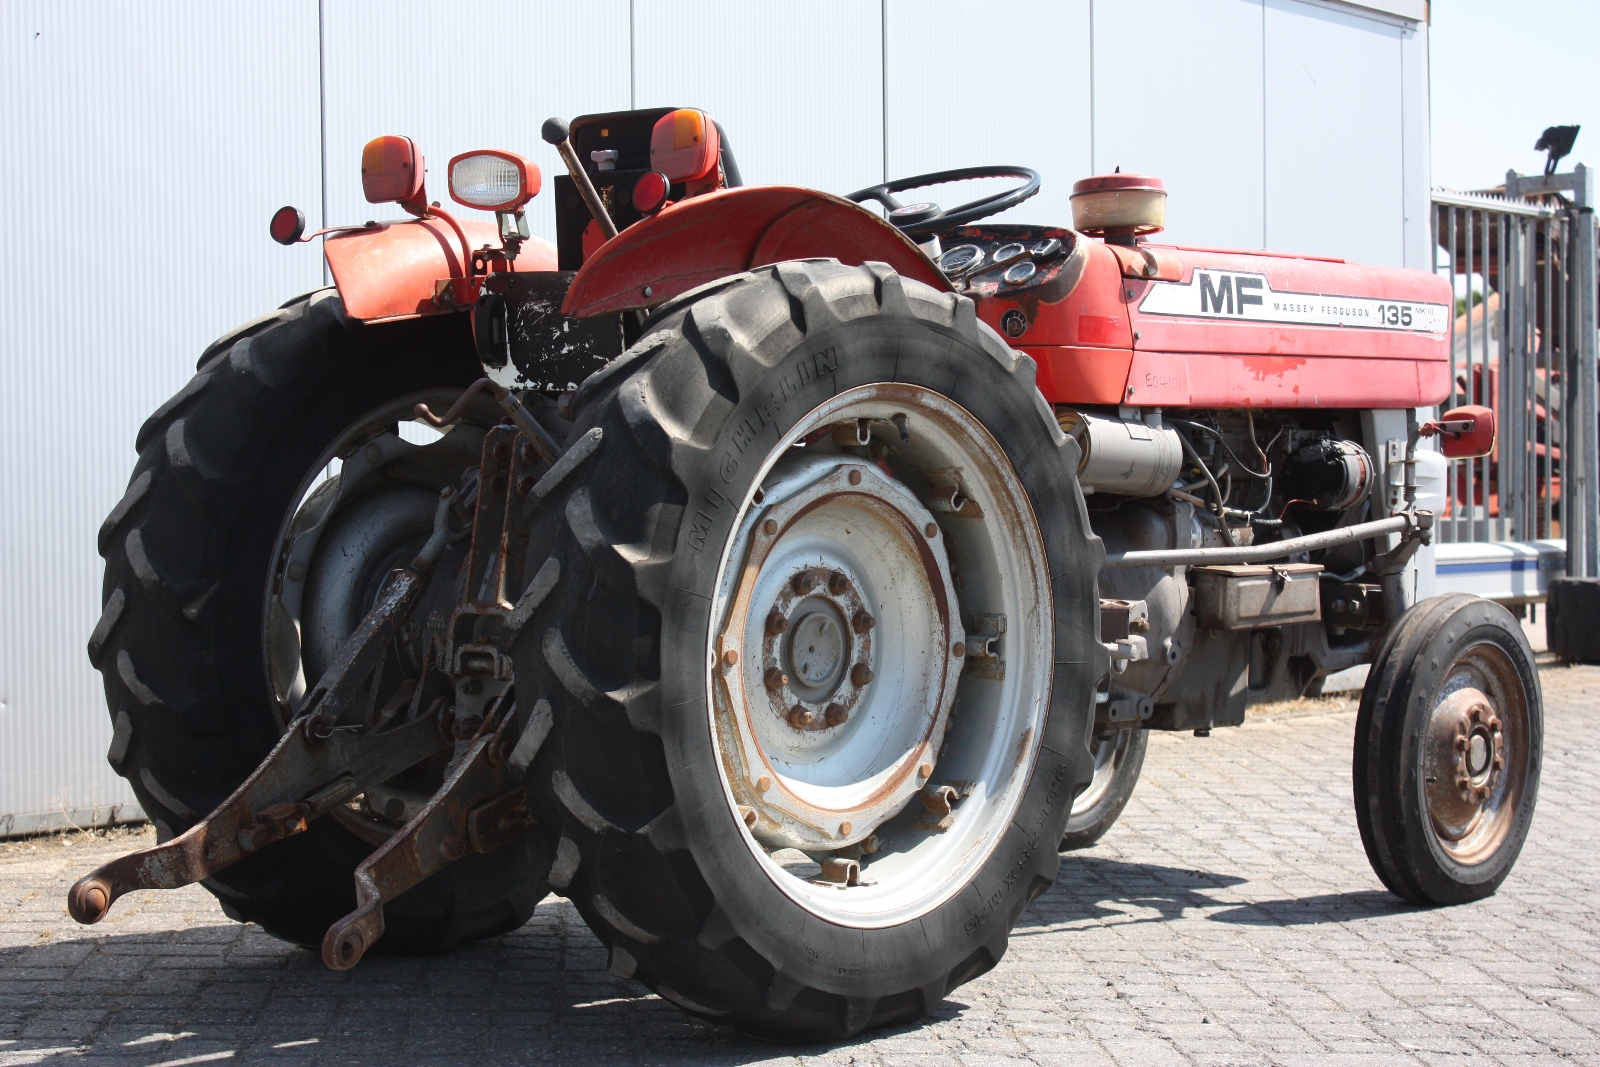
708	237
394	271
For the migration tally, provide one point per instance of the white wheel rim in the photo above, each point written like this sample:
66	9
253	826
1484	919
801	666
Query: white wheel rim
1109	752
816	755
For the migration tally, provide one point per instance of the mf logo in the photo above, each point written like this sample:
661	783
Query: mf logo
1227	294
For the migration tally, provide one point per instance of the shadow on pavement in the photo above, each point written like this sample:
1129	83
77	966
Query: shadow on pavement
1310	911
1092	888
233	994
539	995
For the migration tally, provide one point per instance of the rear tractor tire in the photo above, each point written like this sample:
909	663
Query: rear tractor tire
271	497
823	655
1448	748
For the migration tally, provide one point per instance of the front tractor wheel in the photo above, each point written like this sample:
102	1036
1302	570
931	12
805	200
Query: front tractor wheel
1448	746
824	651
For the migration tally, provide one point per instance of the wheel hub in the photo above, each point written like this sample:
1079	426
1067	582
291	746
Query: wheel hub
817	655
1466	756
821	748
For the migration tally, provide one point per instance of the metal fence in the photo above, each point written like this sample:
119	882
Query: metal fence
1523	343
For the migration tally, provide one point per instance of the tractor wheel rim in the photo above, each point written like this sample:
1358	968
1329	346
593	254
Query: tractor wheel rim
1109	752
1475	759
871	762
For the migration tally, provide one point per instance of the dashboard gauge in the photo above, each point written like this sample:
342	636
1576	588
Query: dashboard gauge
1018	273
960	259
1010	250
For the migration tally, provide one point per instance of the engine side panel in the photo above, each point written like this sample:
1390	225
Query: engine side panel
1238	330
1185	327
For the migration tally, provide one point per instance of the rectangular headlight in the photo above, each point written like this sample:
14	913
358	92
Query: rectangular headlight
492	180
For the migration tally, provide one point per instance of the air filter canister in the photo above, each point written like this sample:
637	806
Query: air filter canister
1119	204
1121	456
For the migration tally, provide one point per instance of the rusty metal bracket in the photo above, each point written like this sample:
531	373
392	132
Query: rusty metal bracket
494	563
304	776
480	807
983	647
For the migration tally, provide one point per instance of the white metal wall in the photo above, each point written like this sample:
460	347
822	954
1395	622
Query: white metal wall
144	152
141	155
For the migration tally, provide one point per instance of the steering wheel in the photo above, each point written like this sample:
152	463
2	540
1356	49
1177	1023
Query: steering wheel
919	220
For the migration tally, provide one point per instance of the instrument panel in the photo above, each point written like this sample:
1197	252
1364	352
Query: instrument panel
999	260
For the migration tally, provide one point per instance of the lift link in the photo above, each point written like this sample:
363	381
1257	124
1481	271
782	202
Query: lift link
481	804
315	766
480	807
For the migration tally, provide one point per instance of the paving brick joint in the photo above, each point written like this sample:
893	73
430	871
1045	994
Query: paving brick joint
1229	918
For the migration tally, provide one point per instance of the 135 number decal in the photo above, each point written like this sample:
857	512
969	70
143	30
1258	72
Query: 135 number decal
1394	314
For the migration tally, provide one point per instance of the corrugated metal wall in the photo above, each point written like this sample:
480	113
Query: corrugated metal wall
146	148
141	155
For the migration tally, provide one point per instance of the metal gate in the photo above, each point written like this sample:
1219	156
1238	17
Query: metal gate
1523	343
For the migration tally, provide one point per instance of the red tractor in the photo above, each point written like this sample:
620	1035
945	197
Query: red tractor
781	581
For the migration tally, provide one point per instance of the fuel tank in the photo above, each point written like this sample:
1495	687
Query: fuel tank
1151	324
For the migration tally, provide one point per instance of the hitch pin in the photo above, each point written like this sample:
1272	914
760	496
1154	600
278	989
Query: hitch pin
537	435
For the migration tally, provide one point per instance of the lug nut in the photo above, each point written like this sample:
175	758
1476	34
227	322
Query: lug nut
731	657
861	674
838	583
776	623
844	829
925	771
763	784
775	679
863	622
958	649
835	715
769	527
855	477
932	530
801	716
802	582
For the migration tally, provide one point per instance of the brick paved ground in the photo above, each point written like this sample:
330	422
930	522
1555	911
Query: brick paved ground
1230	918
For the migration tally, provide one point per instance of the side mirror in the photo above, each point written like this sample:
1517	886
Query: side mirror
1466	432
685	145
392	171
